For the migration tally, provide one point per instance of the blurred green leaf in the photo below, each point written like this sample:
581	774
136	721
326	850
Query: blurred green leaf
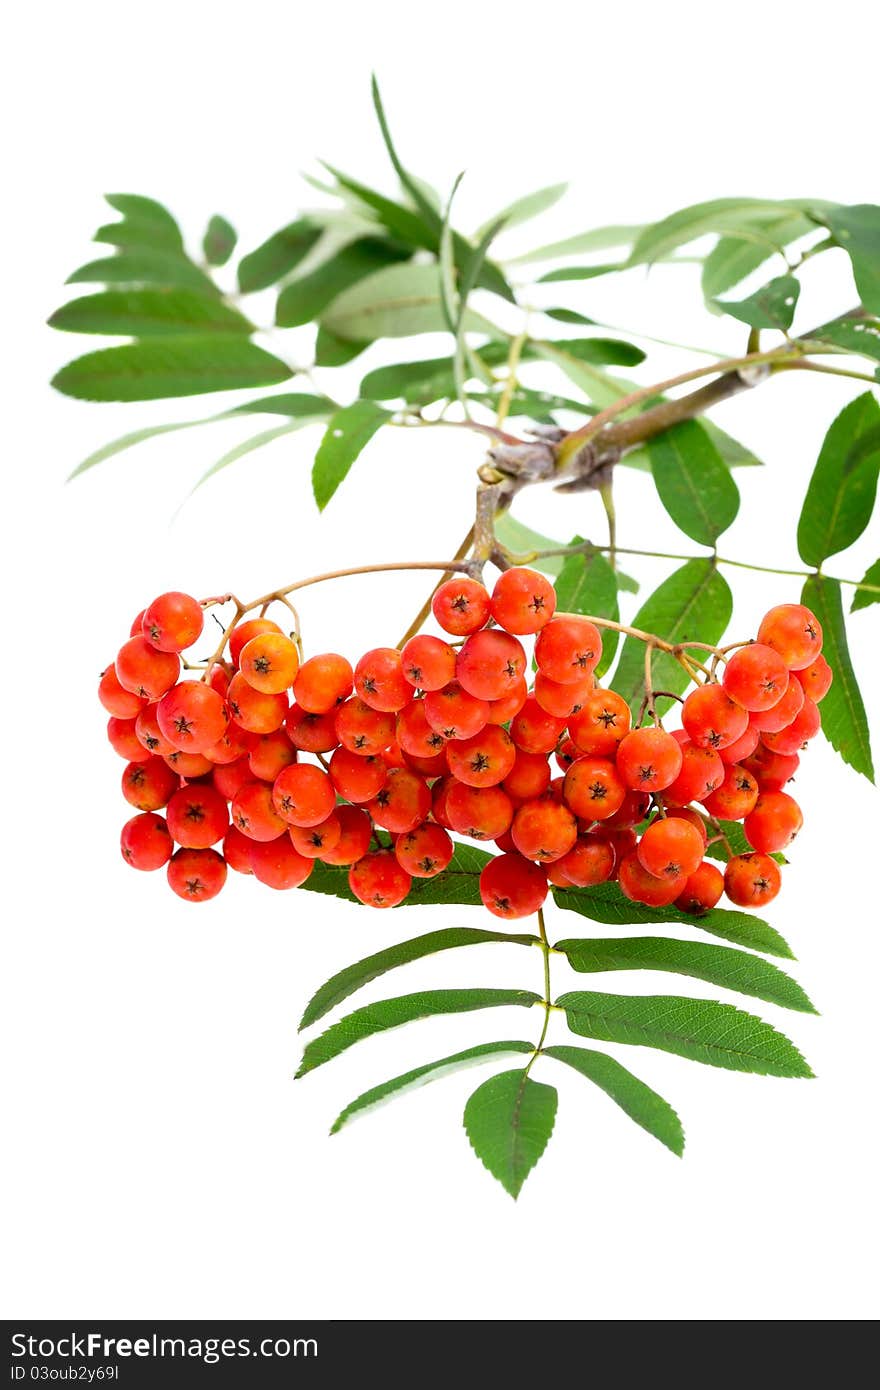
165	367
864	597
600	239
219	240
857	229
732	216
772	306
150	312
145	223
304	299
277	256
578	272
397	302
525	208
348	432
144	267
333	351
860	336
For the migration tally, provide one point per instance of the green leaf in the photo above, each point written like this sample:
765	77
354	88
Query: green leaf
509	1120
578	272
354	977
702	1030
348	432
333	351
587	584
611	352
735	836
277	256
734	454
145	223
249	446
844	722
446	261
219	240
600	239
525	208
693	481
860	336
421	1076
163	367
143	267
535	406
568	316
735	257
735	216
772	306
857	229
607	904
144	313
693	604
864	597
396	302
305	299
636	1099
391	1013
840	495
598	386
458	885
720	965
522	540
404	224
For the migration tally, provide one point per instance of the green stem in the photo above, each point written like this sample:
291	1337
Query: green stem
545	952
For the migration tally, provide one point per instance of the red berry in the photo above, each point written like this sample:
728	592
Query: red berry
269	662
355	777
269	753
588	862
323	682
640	886
633	809
303	794
702	770
149	785
484	760
414	733
278	864
490	665
237	850
145	842
711	718
523	601
649	759
145	671
241	635
794	632
741	747
670	847
543	829
783	713
197	816
702	890
593	789
562	701
354	838
122	734
534	730
816	679
121	703
188	765
453	713
771	770
428	662
378	880
379	680
751	880
804	726
460	606
503	710
254	813
192	716
528	777
255	710
511	886
600	725
483	813
229	778
402	803
197	874
173	622
773	822
361	729
755	676
568	649
693	818
312	733
149	735
315	841
424	851
736	796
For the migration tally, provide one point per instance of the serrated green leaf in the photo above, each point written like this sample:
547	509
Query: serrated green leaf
163	367
693	604
458	885
857	229
607	904
578	272
145	313
841	492
144	267
844	721
522	540
397	302
355	976
333	351
421	1076
219	240
732	216
249	446
146	223
772	306
304	299
860	336
693	481
277	256
348	432
525	208
391	1013
720	965
587	584
600	239
702	1030
864	597
509	1120
637	1100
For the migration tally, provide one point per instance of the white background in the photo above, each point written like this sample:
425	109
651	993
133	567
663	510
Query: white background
160	1161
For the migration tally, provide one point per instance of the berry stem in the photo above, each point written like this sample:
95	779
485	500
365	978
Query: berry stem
425	609
545	952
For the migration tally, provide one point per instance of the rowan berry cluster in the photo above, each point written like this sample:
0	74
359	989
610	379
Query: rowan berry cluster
375	767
